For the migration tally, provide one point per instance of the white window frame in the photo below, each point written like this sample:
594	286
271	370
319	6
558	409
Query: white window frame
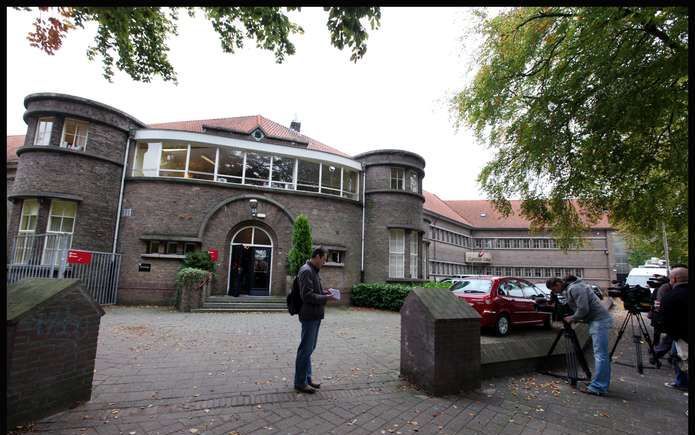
414	257
47	137
77	122
46	248
396	253
25	242
394	176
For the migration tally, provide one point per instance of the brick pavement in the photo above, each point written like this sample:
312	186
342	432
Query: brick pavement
159	371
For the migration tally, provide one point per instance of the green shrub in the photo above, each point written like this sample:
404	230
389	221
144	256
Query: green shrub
379	295
188	276
198	260
434	284
301	245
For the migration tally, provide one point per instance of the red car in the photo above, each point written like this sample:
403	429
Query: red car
502	302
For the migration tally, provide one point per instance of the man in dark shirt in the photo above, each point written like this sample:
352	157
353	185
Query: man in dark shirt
674	310
314	299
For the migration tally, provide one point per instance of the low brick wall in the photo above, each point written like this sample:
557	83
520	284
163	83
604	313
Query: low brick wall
52	331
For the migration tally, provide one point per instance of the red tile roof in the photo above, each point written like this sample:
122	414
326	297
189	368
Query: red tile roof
246	125
472	210
435	204
14	142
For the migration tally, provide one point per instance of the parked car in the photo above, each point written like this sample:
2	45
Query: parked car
502	302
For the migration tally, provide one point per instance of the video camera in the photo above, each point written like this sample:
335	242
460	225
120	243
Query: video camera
636	299
557	306
657	281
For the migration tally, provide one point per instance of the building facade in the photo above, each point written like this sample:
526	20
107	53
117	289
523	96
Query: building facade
110	183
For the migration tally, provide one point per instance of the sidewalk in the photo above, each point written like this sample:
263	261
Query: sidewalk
163	372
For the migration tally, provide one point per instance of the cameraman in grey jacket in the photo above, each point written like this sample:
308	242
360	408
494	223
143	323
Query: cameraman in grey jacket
587	307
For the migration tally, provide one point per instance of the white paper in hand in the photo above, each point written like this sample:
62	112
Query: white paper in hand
335	293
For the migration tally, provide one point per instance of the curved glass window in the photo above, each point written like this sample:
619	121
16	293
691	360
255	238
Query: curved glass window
308	176
330	179
231	166
224	164
252	236
283	172
257	169
173	160
201	164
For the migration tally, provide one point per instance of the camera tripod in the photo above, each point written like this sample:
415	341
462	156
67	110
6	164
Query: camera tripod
632	317
573	356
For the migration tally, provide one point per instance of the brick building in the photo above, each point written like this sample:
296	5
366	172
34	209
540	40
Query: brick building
155	192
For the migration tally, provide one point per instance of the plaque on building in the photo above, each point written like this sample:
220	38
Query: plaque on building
478	257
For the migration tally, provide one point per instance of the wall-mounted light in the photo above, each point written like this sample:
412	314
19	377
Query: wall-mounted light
260	215
253	203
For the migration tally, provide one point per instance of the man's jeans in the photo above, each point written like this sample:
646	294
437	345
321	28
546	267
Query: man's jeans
302	368
681	376
599	331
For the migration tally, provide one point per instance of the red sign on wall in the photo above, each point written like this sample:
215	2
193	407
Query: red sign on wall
213	254
79	257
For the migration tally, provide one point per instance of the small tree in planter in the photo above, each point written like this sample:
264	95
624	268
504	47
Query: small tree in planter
301	245
197	268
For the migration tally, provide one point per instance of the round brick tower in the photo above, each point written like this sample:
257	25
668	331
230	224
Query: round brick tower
69	170
394	229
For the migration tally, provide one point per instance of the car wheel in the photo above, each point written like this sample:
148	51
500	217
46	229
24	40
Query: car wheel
502	325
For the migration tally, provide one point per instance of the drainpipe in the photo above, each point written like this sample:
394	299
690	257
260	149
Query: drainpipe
120	195
364	207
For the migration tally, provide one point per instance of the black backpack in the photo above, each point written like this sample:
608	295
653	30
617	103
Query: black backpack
294	299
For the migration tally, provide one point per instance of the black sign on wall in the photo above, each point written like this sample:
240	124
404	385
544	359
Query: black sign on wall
144	267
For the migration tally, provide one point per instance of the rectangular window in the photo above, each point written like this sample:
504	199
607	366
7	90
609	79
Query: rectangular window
283	172
336	256
231	166
308	176
201	163
257	169
24	244
330	179
190	247
546	244
171	248
61	224
74	134
500	243
146	159
396	253
413	254
44	127
397	178
153	247
173	160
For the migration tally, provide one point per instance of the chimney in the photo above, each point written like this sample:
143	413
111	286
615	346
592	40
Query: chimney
295	124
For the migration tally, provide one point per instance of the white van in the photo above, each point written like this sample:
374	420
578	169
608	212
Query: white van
640	275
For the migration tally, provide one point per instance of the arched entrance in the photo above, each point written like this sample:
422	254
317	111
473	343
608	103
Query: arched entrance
250	262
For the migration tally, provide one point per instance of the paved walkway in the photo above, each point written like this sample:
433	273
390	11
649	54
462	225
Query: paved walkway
163	372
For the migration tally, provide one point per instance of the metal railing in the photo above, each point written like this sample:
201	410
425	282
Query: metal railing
45	256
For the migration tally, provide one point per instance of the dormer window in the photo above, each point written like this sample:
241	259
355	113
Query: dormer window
258	134
74	134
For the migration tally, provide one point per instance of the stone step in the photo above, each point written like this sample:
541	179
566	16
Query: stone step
244	305
239	310
244	299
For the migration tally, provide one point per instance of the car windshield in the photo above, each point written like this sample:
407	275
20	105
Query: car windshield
472	286
640	280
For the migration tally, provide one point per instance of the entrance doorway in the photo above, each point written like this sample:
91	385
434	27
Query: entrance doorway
250	265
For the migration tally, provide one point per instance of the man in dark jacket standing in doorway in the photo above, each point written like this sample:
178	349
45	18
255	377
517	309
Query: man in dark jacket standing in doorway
314	299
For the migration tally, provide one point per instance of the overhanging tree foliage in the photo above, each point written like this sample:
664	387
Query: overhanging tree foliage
134	39
585	103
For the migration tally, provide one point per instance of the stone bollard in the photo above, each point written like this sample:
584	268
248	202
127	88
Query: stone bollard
52	331
440	342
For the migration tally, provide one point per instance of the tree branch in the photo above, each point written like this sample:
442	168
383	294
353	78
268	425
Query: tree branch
541	16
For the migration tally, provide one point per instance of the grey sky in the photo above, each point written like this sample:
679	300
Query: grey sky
396	97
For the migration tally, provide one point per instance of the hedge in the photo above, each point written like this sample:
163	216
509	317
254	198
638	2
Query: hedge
385	296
